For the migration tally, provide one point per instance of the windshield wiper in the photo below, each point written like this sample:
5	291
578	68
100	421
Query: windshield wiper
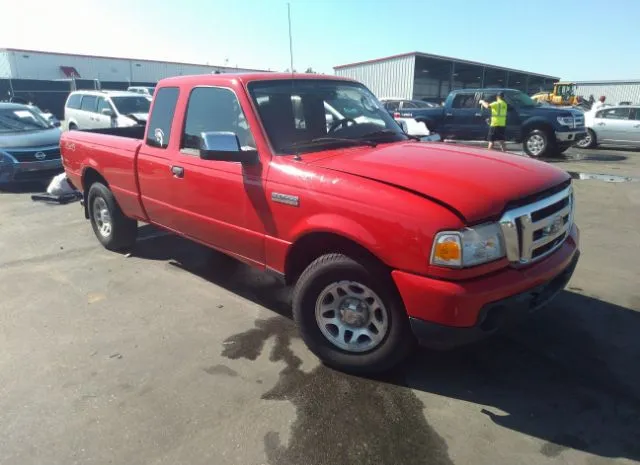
386	132
328	140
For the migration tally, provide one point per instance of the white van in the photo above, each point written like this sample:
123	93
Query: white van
95	109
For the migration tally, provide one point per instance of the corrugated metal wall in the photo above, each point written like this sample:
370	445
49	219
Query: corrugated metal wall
5	65
391	78
615	92
46	66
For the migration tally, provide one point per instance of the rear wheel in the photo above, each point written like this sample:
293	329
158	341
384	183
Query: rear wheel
114	230
588	141
351	316
536	143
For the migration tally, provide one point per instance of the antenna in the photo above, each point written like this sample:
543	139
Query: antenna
290	36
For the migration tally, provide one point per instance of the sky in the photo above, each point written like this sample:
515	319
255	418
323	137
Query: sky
574	40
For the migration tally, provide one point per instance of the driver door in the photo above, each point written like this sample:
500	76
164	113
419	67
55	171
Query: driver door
218	203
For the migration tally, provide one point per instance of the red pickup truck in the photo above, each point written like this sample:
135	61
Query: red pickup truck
386	240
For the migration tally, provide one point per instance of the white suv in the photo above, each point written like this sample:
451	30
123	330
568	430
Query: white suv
94	109
144	90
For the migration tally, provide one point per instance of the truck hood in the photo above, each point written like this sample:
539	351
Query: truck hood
547	112
476	184
30	139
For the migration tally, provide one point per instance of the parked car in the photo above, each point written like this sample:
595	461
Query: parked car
144	90
29	145
94	109
617	125
543	130
386	240
407	113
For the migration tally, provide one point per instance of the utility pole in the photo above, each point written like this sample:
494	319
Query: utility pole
290	37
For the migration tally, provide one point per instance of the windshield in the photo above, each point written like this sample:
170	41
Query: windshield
521	100
307	115
21	119
131	104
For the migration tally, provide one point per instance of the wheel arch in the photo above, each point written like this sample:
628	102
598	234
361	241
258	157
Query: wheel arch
312	245
90	176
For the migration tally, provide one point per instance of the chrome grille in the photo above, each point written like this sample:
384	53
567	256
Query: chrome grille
534	231
578	121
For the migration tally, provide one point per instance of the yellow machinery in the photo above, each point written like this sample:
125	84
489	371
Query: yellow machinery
564	93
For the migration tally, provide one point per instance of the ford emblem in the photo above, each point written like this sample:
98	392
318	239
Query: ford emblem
40	155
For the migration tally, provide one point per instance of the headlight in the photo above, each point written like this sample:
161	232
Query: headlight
566	120
469	247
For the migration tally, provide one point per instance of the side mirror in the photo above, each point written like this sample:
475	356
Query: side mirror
107	112
225	146
57	124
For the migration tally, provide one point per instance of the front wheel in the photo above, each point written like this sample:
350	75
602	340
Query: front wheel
588	141
536	143
350	316
112	228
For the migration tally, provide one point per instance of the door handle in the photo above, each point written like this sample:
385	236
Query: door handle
601	124
448	114
177	171
478	114
637	126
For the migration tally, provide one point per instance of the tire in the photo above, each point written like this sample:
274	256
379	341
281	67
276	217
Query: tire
114	230
589	141
336	280
536	143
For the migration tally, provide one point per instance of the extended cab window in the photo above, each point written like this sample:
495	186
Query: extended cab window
464	101
214	109
164	107
89	103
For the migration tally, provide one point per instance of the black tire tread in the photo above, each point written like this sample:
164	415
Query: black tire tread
360	363
124	229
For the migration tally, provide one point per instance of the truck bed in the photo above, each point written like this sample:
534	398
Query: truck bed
111	152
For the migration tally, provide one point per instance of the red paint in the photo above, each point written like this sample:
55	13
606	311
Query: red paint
391	199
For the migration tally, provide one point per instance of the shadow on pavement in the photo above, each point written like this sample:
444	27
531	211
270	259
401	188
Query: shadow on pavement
24	188
569	376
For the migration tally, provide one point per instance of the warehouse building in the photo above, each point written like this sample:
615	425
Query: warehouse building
615	91
46	78
428	77
50	66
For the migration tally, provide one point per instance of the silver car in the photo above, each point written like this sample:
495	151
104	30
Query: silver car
29	145
614	125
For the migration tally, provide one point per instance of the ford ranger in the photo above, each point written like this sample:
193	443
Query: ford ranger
385	240
543	130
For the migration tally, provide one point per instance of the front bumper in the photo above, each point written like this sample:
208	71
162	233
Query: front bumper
445	314
29	171
571	136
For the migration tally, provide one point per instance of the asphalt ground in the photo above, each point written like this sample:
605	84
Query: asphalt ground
176	355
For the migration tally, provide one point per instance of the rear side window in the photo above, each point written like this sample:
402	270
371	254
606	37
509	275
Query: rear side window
408	104
392	106
615	113
464	101
89	103
164	107
74	101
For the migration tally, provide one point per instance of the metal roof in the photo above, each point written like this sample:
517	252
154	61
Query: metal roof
624	81
440	57
20	50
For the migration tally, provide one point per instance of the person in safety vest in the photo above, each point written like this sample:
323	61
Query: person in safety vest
498	121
